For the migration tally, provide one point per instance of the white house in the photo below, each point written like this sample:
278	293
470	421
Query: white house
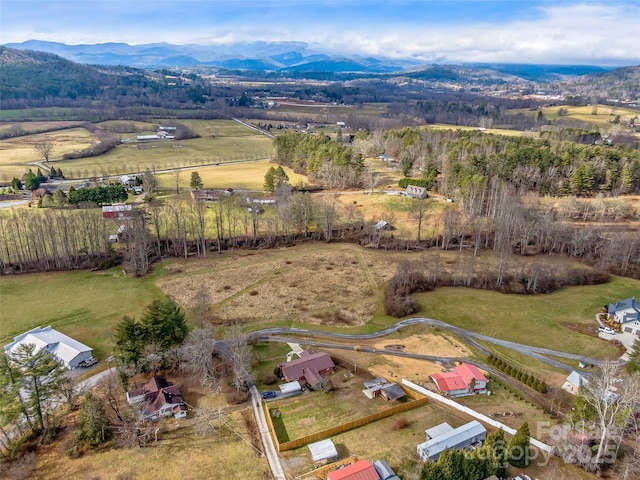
65	350
574	382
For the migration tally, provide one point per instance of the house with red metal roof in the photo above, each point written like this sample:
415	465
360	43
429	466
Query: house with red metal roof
464	379
361	470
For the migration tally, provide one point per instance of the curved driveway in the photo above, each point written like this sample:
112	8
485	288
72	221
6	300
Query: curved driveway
538	353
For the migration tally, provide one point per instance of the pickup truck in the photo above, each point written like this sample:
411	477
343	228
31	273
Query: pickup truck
88	362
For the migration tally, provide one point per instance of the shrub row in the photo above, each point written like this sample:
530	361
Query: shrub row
520	375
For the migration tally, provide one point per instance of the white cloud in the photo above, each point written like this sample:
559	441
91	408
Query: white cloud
560	32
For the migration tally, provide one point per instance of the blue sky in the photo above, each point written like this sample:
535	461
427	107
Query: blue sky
516	31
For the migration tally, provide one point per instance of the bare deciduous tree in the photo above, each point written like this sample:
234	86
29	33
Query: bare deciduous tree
44	148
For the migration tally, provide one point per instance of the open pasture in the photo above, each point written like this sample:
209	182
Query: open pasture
137	157
495	131
602	119
16	153
310	284
244	175
220	141
84	305
540	320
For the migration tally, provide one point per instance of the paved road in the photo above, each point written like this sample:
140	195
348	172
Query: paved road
538	353
13	203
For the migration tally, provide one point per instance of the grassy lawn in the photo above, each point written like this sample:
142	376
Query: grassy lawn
531	319
246	175
83	305
315	411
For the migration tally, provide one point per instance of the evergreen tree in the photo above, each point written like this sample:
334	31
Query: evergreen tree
518	450
626	178
270	180
164	323
31	182
432	471
494	449
16	184
634	358
41	377
93	428
196	181
129	337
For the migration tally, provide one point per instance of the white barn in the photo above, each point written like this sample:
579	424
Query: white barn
65	350
458	438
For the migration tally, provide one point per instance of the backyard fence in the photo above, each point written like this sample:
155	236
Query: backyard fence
473	413
417	400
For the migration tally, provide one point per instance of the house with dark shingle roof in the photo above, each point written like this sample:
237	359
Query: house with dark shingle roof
309	368
158	398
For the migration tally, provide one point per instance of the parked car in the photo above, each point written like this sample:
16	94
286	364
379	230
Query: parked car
88	362
608	330
269	394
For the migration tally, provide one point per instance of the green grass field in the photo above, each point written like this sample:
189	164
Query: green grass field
220	141
239	176
603	119
83	305
531	319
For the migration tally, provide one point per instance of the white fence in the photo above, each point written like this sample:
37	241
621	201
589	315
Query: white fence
473	413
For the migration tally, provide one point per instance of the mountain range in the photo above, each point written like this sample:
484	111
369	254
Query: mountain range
292	57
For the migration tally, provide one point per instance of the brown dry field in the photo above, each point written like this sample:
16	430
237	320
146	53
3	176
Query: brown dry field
314	283
178	453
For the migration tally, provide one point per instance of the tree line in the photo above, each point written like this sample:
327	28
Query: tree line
550	165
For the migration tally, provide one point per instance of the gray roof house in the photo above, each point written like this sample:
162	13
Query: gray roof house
458	438
625	310
65	350
627	314
384	470
574	382
416	192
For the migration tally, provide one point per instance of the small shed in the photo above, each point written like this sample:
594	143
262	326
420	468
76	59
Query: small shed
323	451
291	387
392	391
384	470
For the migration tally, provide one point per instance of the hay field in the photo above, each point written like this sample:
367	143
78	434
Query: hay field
603	119
318	284
495	131
247	175
220	141
137	157
16	153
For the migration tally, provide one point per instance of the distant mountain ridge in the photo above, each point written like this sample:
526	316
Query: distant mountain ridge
297	57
